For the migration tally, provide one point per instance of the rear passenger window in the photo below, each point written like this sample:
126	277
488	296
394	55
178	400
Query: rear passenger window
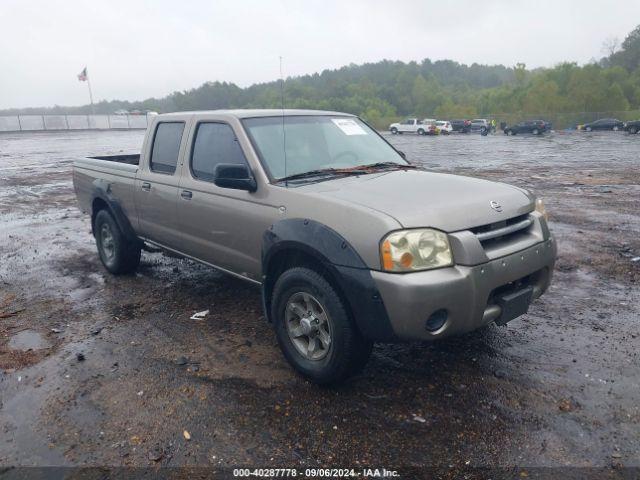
166	147
215	143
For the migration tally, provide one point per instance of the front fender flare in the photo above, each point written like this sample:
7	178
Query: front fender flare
337	255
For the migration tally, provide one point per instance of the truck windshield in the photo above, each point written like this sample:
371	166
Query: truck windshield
315	143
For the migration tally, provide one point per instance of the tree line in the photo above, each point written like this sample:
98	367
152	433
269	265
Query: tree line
383	91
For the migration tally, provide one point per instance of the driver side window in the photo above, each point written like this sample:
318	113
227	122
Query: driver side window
215	143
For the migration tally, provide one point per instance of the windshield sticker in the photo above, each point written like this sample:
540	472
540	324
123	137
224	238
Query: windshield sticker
349	126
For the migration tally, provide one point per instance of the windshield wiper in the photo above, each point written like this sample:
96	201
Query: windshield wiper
322	172
384	165
357	170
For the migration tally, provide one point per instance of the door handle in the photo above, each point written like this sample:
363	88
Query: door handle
186	194
146	186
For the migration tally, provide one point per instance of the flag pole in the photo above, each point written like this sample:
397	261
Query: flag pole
93	112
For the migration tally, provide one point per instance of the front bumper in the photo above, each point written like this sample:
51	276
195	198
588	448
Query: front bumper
469	295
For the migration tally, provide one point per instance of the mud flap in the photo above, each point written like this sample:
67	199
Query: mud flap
514	304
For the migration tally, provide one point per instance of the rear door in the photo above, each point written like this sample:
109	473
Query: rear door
156	189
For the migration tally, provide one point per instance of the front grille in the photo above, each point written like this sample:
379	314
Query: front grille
502	231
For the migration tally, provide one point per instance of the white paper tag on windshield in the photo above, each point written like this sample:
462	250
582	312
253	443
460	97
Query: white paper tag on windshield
349	126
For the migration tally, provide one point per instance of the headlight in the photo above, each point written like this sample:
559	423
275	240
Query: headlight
540	208
413	250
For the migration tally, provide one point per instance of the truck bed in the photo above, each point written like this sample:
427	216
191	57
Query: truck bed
129	159
118	171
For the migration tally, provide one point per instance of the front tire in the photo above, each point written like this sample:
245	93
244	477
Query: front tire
314	330
633	130
394	131
588	129
421	131
118	254
616	128
536	131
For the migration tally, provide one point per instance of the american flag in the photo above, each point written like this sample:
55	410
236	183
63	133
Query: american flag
83	75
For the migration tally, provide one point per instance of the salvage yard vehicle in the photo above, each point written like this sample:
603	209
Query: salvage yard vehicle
350	243
536	127
444	127
430	127
410	125
632	126
462	126
603	124
480	124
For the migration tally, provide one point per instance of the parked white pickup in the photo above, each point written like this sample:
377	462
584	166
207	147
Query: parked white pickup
412	125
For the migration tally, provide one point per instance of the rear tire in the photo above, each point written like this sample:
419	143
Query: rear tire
421	131
616	128
303	301
588	129
510	133
633	130
394	131
536	131
118	254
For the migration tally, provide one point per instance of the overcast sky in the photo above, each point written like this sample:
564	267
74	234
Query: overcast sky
137	49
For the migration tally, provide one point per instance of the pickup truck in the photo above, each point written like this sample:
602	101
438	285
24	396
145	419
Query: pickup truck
414	125
350	243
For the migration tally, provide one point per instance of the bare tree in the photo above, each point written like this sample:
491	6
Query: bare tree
610	46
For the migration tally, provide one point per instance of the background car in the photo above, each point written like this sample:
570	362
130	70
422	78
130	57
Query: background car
479	124
462	126
430	126
444	127
535	127
632	126
409	125
603	124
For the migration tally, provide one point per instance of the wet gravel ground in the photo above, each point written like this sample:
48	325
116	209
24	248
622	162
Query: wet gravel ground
99	370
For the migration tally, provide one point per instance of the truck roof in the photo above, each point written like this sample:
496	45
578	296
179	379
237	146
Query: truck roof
252	113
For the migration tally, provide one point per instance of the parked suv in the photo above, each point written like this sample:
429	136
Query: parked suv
536	127
462	126
480	124
430	126
349	243
444	127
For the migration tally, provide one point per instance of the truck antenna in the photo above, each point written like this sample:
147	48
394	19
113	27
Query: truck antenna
284	134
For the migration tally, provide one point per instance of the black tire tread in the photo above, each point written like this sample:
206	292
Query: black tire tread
127	252
355	349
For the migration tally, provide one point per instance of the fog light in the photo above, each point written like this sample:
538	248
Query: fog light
436	320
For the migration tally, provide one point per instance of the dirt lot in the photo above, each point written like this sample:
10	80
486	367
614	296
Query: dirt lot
99	370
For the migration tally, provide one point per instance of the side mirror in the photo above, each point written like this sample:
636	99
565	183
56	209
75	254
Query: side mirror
402	154
238	177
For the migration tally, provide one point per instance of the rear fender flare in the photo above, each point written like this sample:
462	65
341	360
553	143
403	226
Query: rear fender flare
101	189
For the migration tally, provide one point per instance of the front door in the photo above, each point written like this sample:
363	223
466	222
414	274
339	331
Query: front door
221	226
156	186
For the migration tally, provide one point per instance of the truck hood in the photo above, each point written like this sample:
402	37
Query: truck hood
417	198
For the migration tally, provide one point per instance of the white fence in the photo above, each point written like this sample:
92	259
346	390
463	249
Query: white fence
30	123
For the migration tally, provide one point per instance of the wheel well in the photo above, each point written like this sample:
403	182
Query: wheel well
97	205
293	257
